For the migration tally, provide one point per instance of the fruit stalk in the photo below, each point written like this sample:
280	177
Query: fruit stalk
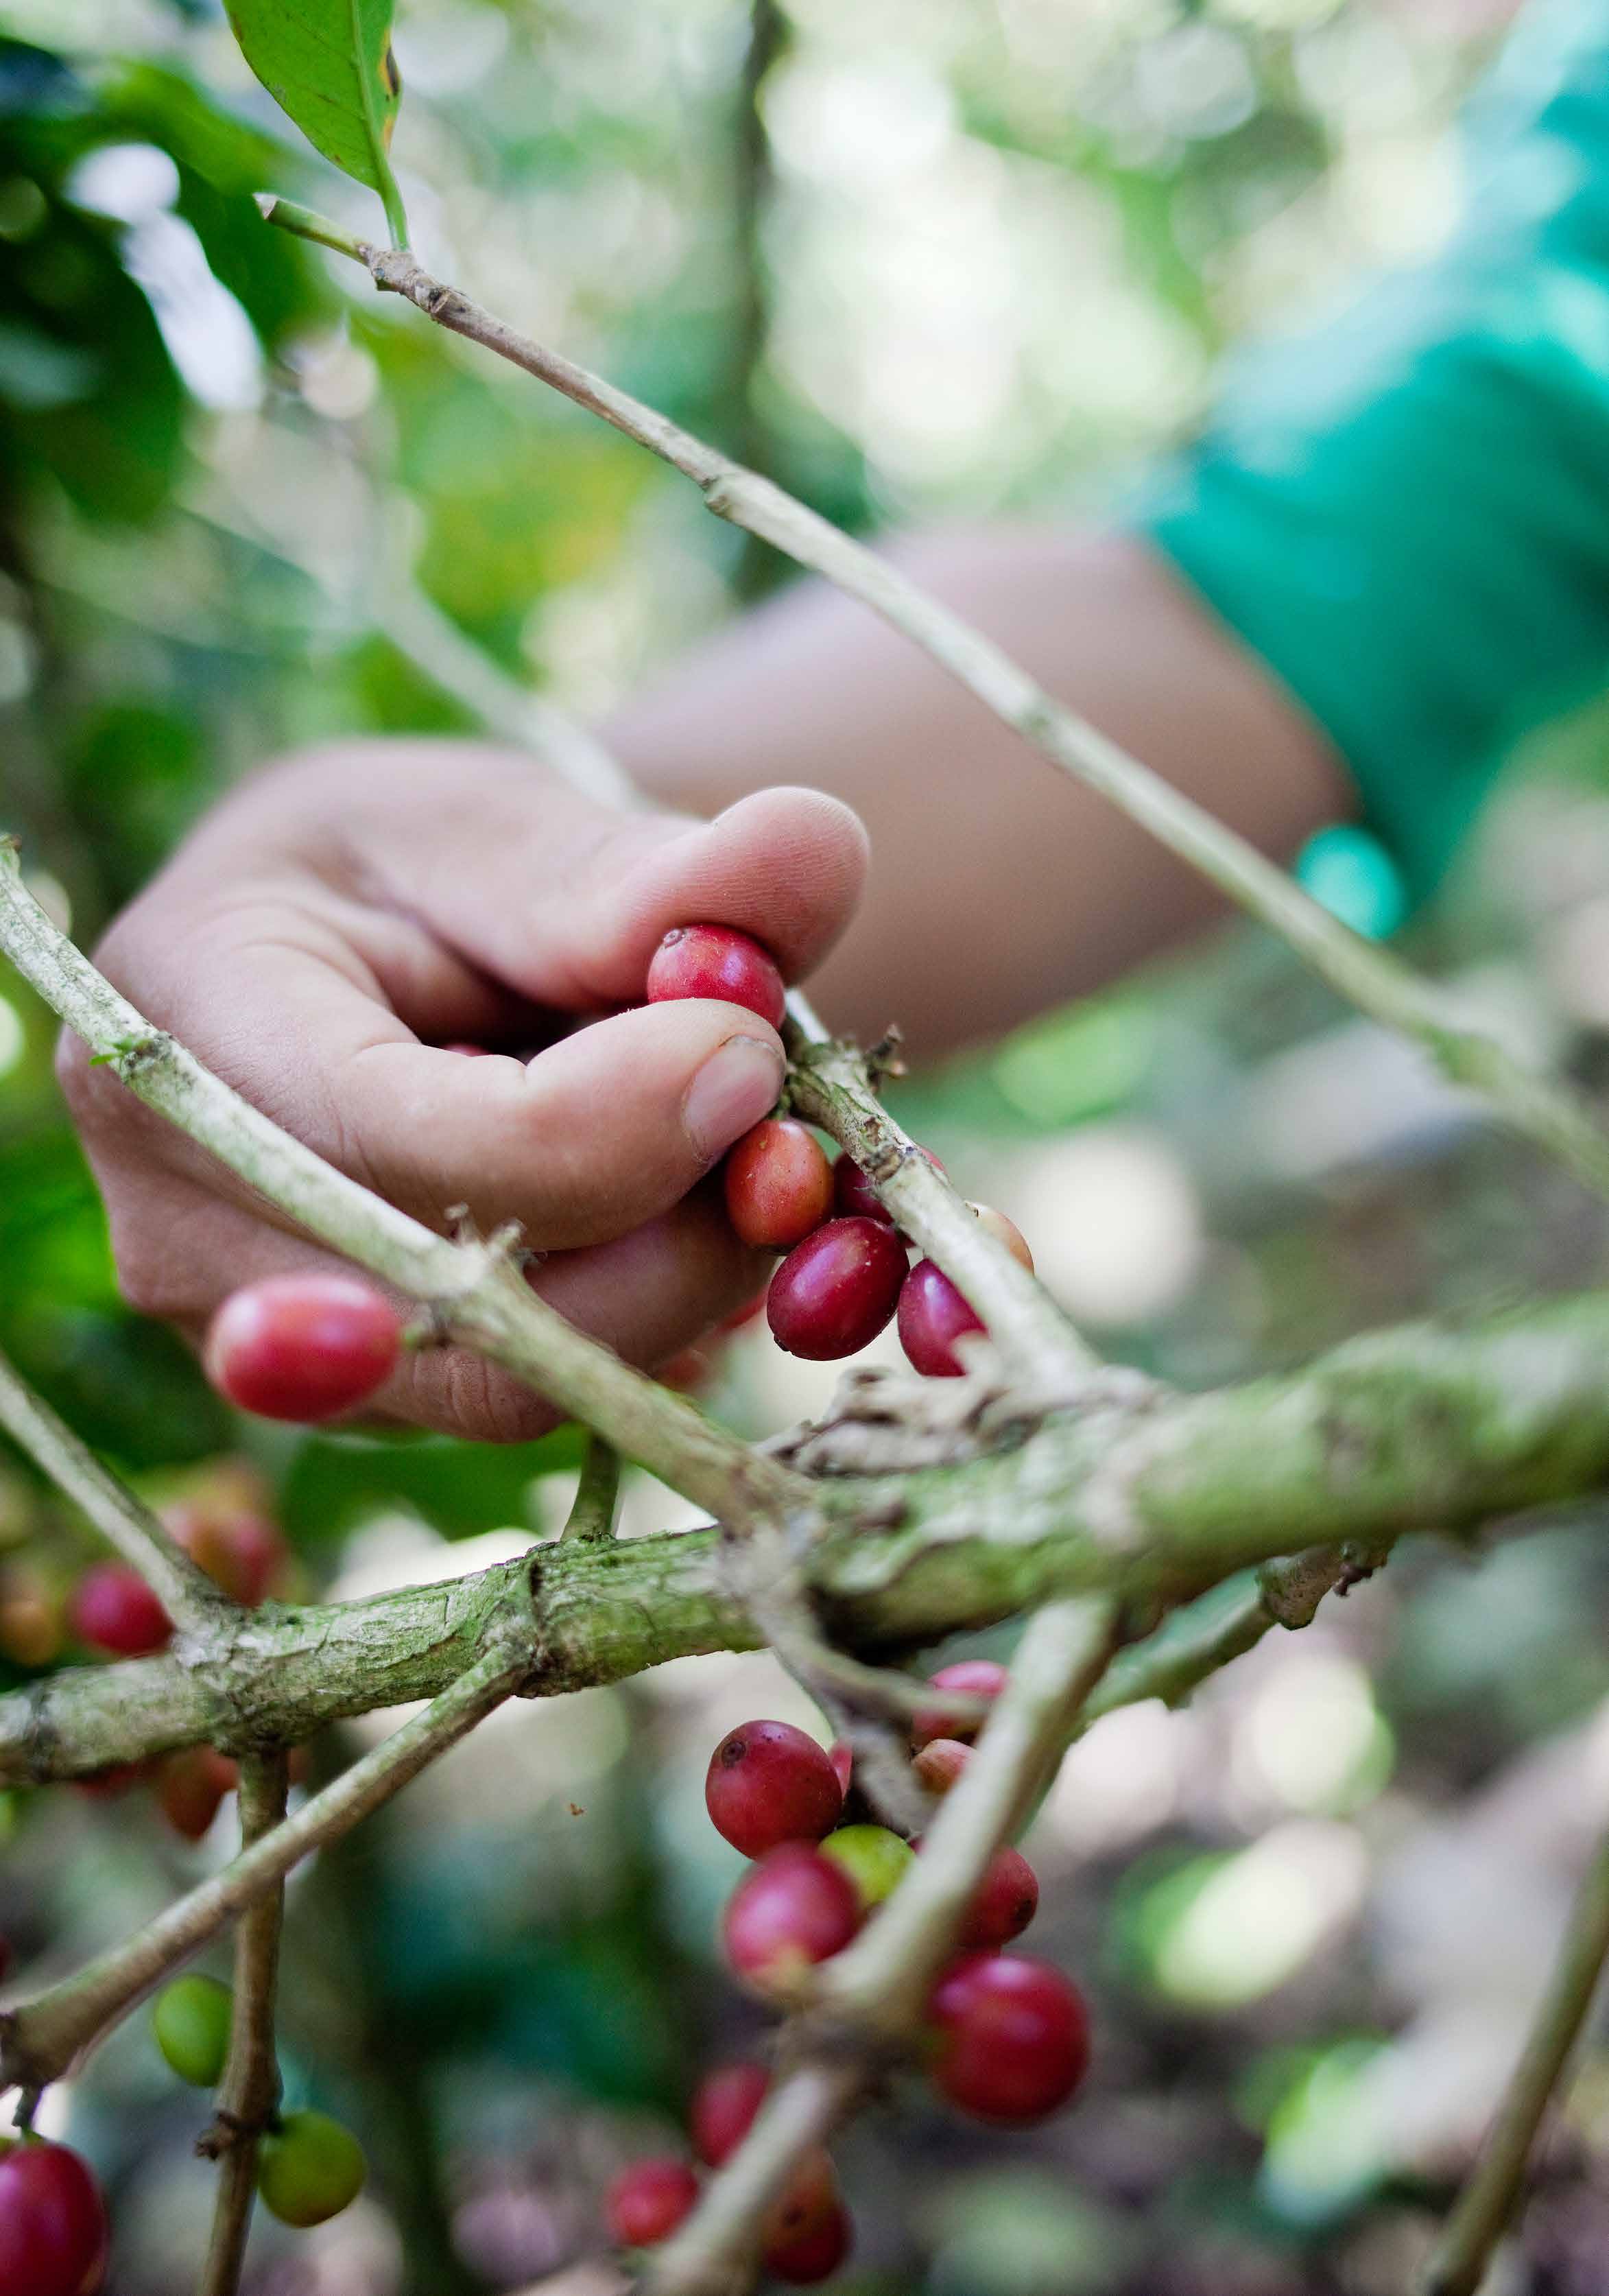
249	2090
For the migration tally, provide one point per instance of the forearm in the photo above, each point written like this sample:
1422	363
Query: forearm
998	888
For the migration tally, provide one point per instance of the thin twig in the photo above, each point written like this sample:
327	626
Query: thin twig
1543	1110
190	1598
477	1292
869	2000
1487	2200
591	1515
249	2090
40	2039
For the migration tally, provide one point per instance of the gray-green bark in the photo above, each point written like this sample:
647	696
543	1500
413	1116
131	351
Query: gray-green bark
1153	1500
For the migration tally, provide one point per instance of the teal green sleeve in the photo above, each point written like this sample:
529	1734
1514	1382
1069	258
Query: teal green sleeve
1406	514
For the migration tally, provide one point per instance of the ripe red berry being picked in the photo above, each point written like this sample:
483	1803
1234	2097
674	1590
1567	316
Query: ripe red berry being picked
303	1347
779	1185
723	2108
796	1908
1007	1900
647	2200
835	1291
933	1315
974	1677
112	1608
812	2256
52	2223
768	1783
1013	2037
715	961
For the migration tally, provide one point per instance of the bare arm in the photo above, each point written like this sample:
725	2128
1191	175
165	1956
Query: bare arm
997	887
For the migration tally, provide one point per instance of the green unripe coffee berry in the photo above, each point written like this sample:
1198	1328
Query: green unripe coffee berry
191	2020
309	2170
872	1857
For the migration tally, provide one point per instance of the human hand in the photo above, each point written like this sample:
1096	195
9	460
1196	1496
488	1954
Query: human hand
345	915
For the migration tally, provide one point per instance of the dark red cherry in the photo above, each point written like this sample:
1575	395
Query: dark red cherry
52	2223
835	1291
1013	2037
768	1783
933	1315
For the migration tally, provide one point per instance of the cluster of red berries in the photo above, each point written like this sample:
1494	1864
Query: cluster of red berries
847	1272
1008	2038
111	1609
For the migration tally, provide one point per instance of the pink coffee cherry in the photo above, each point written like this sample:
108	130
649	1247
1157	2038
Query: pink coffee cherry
933	1315
715	961
768	1783
792	1910
649	2199
723	2108
303	1347
778	1183
974	1677
835	1291
112	1608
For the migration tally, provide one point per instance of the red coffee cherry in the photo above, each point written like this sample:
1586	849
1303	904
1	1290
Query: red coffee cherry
1006	1231
112	1608
853	1196
779	1185
815	2255
715	961
243	1554
723	2108
191	1786
110	1784
811	2200
647	2200
974	1677
835	1291
768	1783
796	1908
1007	1900
940	1763
52	2223
1013	2037
933	1315
303	1347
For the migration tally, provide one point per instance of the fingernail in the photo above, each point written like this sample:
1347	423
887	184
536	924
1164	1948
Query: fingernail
737	1086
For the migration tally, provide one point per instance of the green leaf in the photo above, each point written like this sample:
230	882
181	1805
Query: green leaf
329	63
